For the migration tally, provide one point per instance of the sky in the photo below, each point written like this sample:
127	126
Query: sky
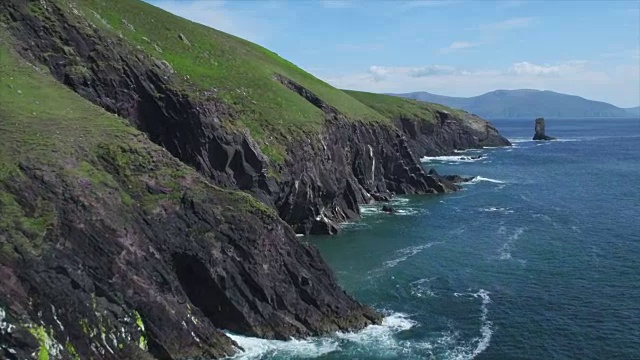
447	47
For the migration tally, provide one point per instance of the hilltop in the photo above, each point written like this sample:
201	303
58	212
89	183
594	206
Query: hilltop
525	103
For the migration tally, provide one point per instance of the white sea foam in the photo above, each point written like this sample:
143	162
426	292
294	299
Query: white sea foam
422	288
520	140
453	159
399	200
404	254
478	179
479	344
256	348
467	151
381	336
504	253
497	209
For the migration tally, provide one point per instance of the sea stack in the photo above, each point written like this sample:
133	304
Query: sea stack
540	135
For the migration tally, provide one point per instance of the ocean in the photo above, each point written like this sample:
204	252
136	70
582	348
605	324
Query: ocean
537	258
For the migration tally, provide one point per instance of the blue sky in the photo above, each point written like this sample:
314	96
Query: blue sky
455	48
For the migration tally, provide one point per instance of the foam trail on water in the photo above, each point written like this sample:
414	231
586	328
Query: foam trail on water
478	179
453	158
498	209
507	247
485	329
479	344
407	253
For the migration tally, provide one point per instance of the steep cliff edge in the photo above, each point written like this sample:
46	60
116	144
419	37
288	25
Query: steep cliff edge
236	112
110	247
433	129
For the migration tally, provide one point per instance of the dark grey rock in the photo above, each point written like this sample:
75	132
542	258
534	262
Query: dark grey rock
540	131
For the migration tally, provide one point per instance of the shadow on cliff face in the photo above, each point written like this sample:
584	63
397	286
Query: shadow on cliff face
205	293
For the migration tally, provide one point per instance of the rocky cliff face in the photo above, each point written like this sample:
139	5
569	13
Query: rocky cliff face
109	278
540	133
449	133
324	176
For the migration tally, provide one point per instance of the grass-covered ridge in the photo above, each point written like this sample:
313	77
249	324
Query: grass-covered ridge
395	107
237	71
52	130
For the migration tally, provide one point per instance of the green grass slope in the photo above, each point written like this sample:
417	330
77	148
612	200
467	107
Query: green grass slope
396	107
237	71
47	126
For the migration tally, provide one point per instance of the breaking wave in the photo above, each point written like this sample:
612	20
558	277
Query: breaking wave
454	159
478	179
381	336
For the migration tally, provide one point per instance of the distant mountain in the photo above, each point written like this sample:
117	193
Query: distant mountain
527	103
635	112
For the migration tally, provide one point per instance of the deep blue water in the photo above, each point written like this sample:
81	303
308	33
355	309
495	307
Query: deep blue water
538	259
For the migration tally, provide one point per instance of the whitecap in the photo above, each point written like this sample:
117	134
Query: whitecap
406	211
256	348
380	336
453	159
478	179
467	151
399	200
406	253
422	288
520	140
497	209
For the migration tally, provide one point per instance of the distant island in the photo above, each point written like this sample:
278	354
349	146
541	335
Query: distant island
527	103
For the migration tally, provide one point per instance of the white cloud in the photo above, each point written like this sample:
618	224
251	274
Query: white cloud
249	25
381	73
527	68
620	85
458	45
509	24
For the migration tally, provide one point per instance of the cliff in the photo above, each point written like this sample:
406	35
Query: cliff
155	172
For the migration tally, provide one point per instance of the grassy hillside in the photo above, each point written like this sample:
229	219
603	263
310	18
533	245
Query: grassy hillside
238	71
49	127
396	107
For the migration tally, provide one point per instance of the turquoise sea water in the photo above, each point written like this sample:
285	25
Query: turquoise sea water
539	258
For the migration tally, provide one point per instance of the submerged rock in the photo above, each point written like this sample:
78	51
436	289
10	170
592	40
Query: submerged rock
540	133
454	179
388	209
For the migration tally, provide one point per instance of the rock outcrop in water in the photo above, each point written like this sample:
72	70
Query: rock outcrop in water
540	131
115	249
